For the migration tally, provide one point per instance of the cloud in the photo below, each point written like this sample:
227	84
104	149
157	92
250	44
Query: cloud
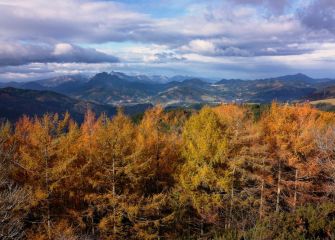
165	57
78	21
270	47
213	48
71	20
213	33
107	21
319	15
20	54
274	6
201	46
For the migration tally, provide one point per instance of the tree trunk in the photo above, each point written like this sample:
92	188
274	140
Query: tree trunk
295	190
278	187
261	203
189	227
202	223
46	158
262	195
231	200
113	189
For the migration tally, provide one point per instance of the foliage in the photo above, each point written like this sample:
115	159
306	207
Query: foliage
224	172
308	222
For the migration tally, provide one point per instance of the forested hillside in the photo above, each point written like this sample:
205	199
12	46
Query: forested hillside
219	173
16	102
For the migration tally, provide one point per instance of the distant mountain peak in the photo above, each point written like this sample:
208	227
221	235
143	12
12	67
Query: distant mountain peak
301	75
106	76
102	74
194	81
298	76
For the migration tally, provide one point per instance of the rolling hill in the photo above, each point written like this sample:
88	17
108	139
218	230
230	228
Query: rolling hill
323	93
16	102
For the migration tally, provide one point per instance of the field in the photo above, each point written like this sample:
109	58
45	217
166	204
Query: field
330	101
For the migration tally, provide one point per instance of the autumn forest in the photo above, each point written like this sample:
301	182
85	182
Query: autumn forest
219	173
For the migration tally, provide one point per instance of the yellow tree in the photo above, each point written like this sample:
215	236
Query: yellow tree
241	134
7	149
86	163
205	175
37	156
67	178
324	138
288	134
115	145
14	199
156	157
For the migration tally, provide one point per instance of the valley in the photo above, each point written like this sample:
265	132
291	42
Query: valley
105	92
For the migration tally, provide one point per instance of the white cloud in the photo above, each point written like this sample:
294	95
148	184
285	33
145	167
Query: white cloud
62	49
202	46
24	53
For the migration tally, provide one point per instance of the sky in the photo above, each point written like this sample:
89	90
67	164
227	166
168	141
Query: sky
207	38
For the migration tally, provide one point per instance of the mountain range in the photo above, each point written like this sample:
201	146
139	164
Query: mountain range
120	89
105	91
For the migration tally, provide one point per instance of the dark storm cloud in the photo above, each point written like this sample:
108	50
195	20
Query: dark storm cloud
19	54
